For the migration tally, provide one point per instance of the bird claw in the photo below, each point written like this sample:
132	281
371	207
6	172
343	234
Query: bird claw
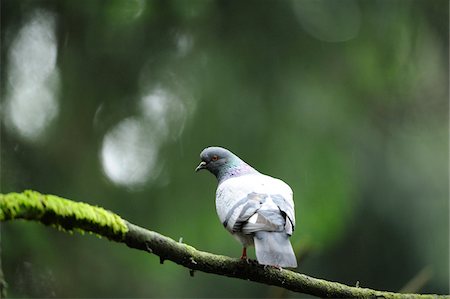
249	261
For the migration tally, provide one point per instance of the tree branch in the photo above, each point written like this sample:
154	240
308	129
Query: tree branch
68	215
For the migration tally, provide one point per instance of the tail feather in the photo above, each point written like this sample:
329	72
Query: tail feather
275	249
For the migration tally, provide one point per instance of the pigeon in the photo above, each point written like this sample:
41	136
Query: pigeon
255	208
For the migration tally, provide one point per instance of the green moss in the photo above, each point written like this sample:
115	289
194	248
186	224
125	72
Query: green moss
61	213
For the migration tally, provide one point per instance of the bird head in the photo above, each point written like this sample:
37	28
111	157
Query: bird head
223	163
215	159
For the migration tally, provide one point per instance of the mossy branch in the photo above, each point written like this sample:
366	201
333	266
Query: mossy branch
68	215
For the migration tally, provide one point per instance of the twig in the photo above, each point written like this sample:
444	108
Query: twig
68	215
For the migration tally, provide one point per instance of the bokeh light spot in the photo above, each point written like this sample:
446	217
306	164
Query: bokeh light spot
165	111
129	153
33	82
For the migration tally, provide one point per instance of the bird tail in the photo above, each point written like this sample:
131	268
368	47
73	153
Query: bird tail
275	249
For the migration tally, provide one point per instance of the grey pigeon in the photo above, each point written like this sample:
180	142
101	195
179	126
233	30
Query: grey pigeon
255	208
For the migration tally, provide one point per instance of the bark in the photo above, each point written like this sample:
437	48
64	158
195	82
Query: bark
68	215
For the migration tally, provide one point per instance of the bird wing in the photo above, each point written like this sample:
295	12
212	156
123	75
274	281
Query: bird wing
260	212
258	201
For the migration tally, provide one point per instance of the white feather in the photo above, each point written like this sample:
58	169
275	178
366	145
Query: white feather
232	190
266	197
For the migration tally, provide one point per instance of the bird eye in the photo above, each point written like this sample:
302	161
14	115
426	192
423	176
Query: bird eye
215	158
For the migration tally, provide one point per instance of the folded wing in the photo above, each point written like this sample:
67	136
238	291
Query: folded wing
271	219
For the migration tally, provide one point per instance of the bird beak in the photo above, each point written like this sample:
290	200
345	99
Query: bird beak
201	166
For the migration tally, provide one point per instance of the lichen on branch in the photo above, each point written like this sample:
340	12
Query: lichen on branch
68	215
62	214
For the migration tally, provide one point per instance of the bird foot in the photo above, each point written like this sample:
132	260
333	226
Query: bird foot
249	261
244	253
245	258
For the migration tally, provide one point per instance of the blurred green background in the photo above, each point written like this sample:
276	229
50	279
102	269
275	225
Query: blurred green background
111	102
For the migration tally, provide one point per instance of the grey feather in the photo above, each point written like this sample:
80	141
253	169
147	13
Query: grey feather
274	217
232	211
274	248
268	219
286	208
248	210
243	210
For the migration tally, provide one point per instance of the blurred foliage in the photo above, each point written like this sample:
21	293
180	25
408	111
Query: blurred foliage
111	102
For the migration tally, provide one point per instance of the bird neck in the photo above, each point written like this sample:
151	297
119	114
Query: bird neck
236	169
